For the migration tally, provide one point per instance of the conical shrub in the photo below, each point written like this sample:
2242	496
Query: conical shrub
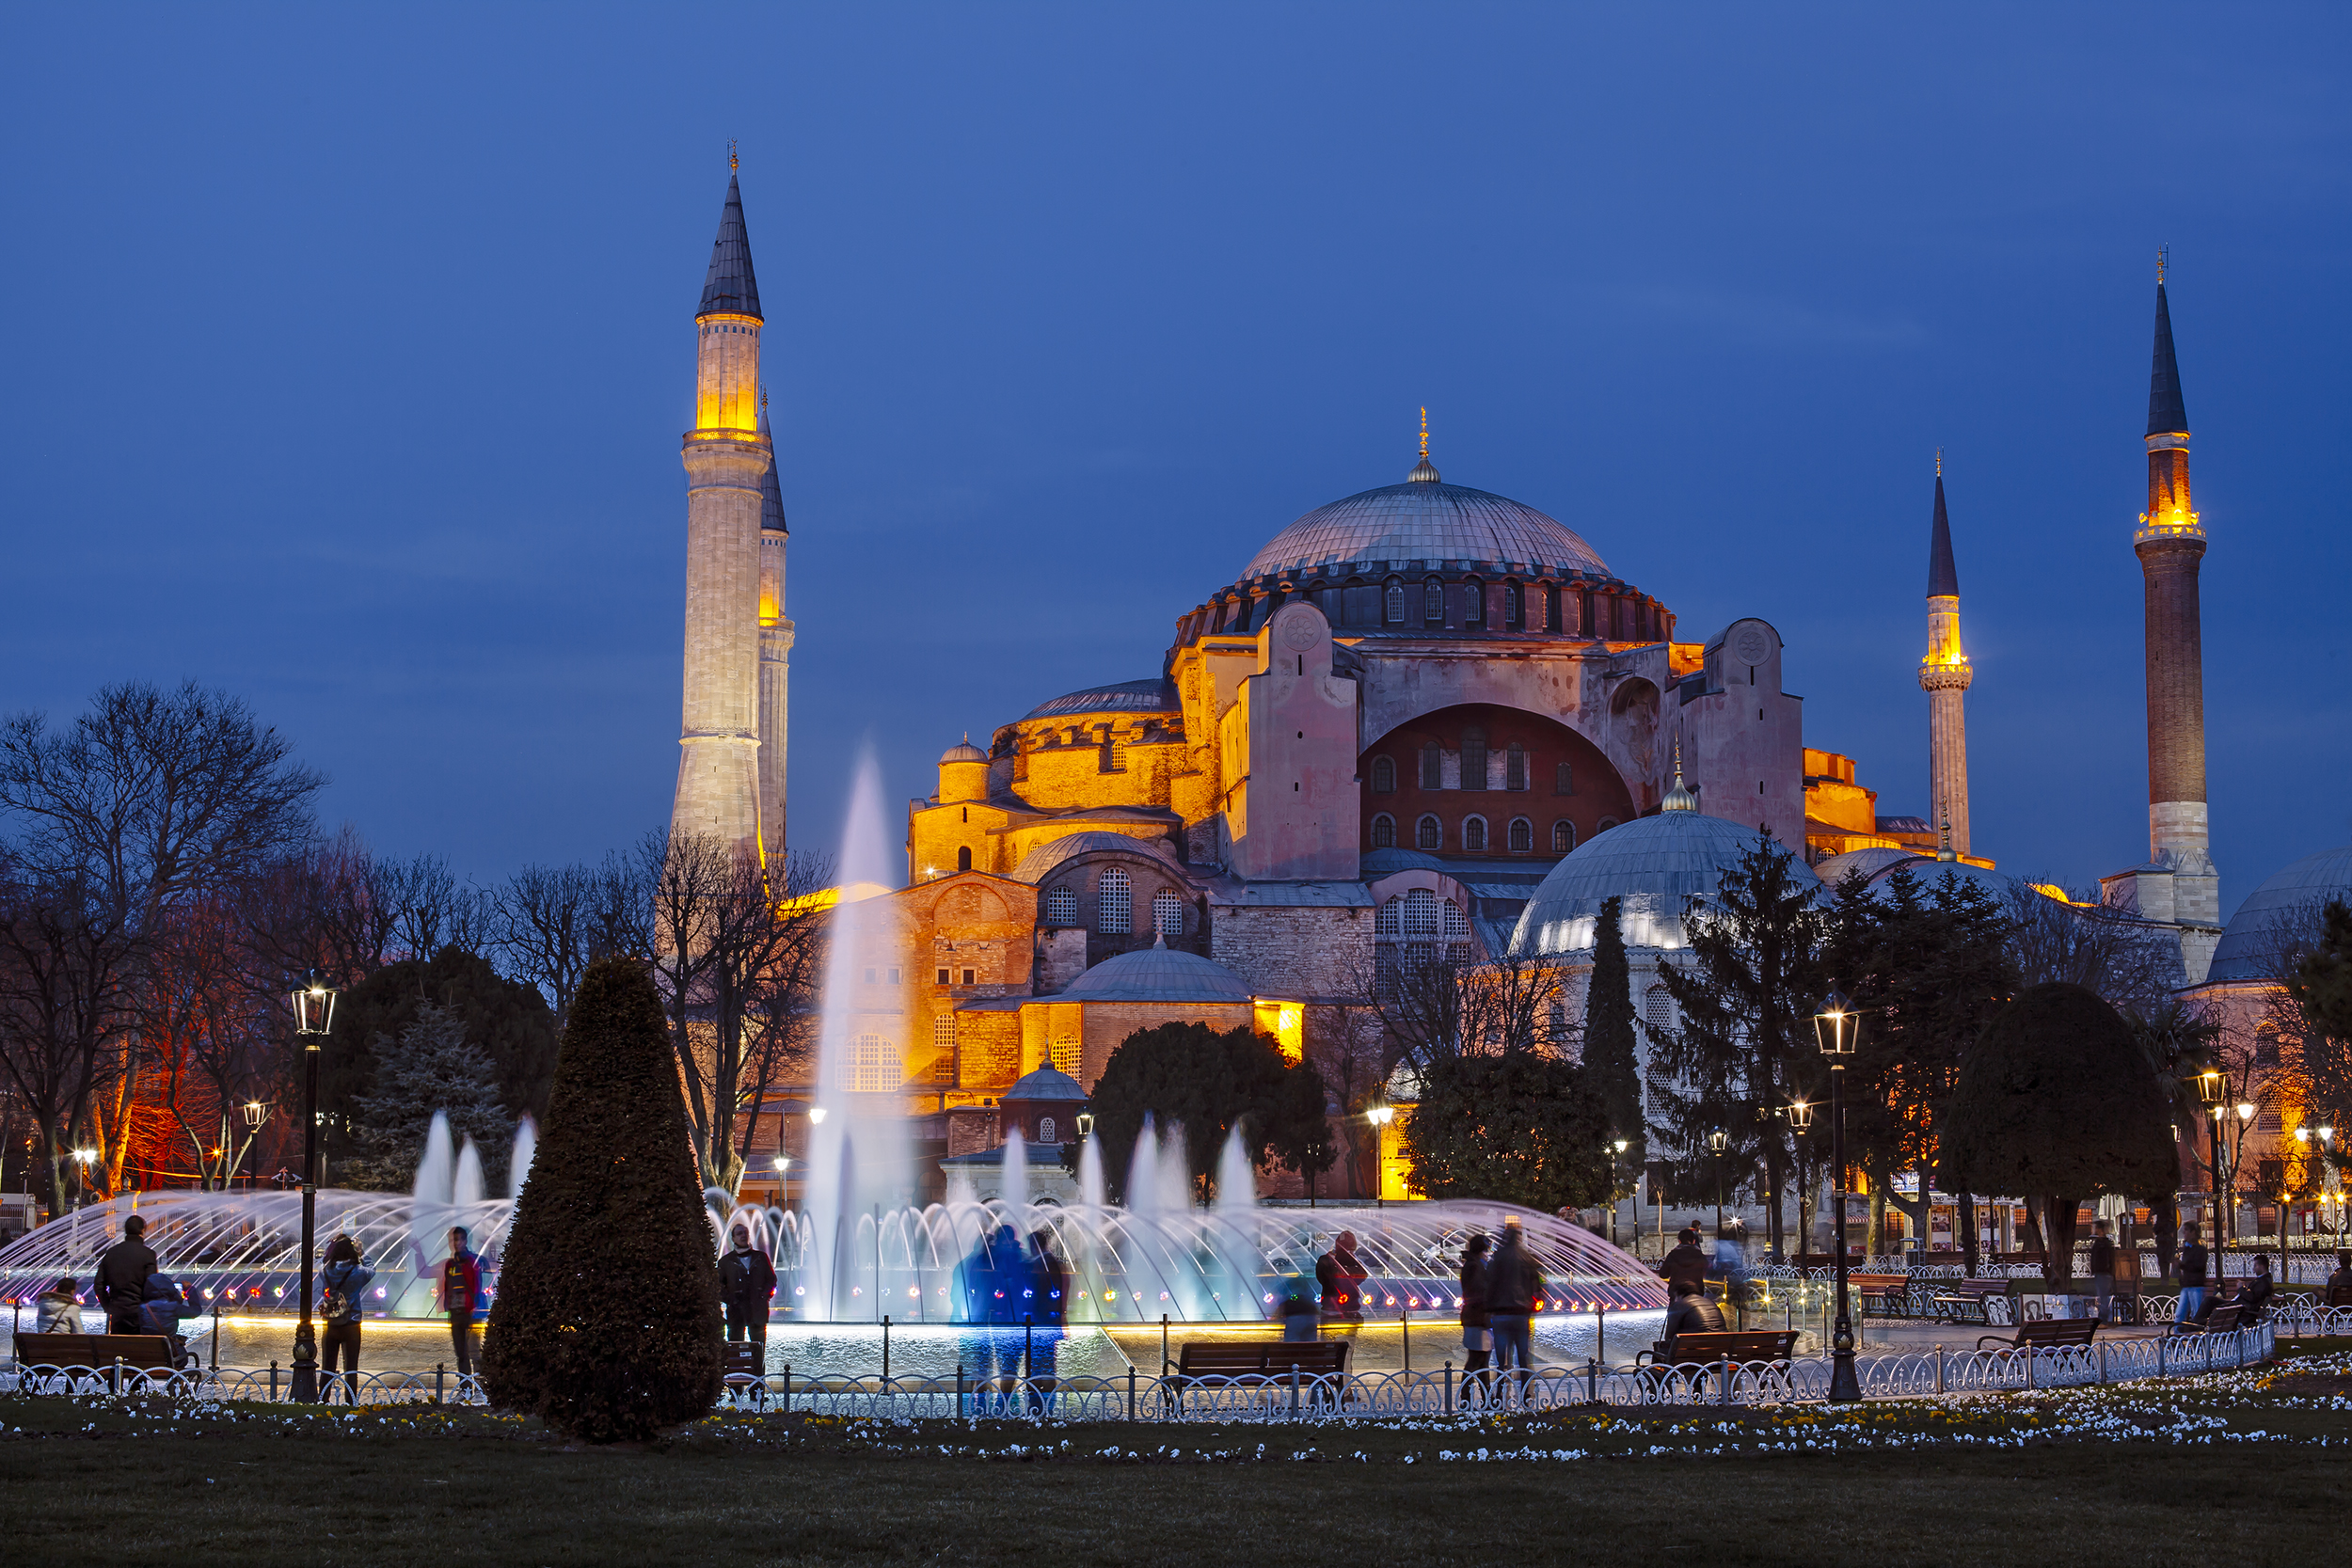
607	1317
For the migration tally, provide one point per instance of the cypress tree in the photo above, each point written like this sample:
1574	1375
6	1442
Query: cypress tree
607	1318
1609	1064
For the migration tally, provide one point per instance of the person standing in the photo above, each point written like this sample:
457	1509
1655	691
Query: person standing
747	1283
342	1286
1685	1263
1477	1327
1514	1285
2190	1269
1340	1278
2103	1269
1049	1292
462	1296
121	1282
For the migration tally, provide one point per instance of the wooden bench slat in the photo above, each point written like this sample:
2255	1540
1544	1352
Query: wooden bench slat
1734	1344
145	1352
1264	1358
2046	1332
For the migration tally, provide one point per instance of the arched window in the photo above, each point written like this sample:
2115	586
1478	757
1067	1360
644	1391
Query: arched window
1474	835
1384	775
1427	834
1392	602
944	1049
1384	831
1432	766
1061	907
1114	913
1433	602
1514	767
1168	914
1604	824
1563	836
1421	912
1522	839
1474	603
1563	780
1514	605
1389	922
1473	758
1657	1008
873	1065
1067	1055
1457	925
963	858
1046	1130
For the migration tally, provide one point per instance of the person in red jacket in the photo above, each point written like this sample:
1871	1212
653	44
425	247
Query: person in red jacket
462	1296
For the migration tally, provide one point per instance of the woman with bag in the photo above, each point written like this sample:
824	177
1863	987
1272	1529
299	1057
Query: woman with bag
1477	1332
342	1285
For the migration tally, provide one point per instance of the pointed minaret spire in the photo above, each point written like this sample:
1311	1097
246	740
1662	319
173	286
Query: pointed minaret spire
2166	415
1944	675
776	651
730	289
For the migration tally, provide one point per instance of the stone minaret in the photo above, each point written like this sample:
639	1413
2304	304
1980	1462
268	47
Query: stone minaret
1944	675
2179	886
775	650
727	461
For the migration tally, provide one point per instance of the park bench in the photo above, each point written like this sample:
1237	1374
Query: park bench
744	1368
1884	1295
2221	1319
2046	1333
1262	1361
1964	1300
1738	1345
50	1354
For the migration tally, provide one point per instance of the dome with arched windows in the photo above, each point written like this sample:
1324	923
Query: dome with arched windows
1428	520
2292	897
1656	864
1157	974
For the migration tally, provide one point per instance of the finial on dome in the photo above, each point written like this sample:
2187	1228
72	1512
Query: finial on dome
1939	462
1424	472
1945	852
734	162
1159	939
1424	433
2160	250
1680	797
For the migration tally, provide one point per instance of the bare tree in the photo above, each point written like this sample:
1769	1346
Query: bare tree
65	1003
2132	964
545	924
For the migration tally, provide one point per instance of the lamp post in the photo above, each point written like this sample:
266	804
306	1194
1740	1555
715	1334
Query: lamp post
1616	1151
1717	1142
314	1014
1799	1114
83	1157
1381	1114
255	1114
1836	1027
2209	1086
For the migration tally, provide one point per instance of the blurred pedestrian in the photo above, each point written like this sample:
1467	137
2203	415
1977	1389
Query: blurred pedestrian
1340	1279
343	1293
1514	1285
2102	1265
747	1283
1686	1261
1298	1309
2191	1270
121	1282
1049	1292
1477	1326
463	1297
2338	1283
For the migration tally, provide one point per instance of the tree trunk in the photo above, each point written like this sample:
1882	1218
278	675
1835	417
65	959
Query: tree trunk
2165	1215
1878	1217
1966	1220
2058	1235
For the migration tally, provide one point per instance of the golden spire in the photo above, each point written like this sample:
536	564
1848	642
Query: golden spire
1424	433
1680	797
1939	462
734	162
2160	250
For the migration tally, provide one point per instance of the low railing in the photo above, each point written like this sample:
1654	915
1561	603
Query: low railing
1139	1397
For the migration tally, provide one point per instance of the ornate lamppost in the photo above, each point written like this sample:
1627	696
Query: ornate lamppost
314	1014
1616	1151
1836	1027
2209	1086
1380	1115
1717	1142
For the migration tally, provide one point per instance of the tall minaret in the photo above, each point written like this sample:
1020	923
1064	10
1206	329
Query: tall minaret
775	649
727	461
1944	675
2170	545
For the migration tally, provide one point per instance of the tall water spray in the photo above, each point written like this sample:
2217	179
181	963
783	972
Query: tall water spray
526	1150
1016	1193
465	1188
1237	1178
1090	1189
431	1209
860	1158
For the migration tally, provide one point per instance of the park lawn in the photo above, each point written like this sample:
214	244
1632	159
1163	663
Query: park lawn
2230	1466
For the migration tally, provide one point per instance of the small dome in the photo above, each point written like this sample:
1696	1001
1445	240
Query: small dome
1655	863
1046	1084
1037	861
1424	520
1157	974
963	751
2247	941
1874	862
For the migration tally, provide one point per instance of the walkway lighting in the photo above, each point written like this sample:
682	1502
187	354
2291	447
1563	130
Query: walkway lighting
1838	1029
314	1015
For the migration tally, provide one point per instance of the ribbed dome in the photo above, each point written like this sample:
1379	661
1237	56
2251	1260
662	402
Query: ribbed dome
1874	862
1655	863
2307	884
1427	520
1157	974
963	751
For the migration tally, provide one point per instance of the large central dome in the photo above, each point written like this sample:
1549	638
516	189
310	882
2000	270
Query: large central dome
1426	519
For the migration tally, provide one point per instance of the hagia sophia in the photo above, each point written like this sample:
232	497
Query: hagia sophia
1421	716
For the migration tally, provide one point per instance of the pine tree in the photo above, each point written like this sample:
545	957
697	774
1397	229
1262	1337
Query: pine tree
1611	1065
607	1318
432	1067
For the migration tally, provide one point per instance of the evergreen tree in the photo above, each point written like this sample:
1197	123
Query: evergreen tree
2319	987
1745	1046
2057	1102
1611	1066
607	1317
432	1067
1210	1082
1518	1128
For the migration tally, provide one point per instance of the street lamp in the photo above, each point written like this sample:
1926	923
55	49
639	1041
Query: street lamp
314	1014
816	1115
1086	1125
1717	1142
255	1114
1380	1115
2210	1085
85	1158
1836	1028
1616	1151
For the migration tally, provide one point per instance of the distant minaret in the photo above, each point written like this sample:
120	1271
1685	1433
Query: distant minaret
1944	675
727	460
775	649
2170	545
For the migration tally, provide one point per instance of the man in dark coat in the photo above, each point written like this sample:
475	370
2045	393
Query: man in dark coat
747	1282
122	1283
1514	1285
1685	1263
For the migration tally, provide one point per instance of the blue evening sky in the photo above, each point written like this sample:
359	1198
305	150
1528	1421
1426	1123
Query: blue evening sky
348	349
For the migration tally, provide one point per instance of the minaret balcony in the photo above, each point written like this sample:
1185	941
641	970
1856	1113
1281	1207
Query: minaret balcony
2174	525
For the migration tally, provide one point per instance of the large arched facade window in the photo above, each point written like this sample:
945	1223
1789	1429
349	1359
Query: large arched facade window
1432	766
1514	605
1061	906
1427	834
1384	831
1168	914
1384	775
1514	767
874	1066
1475	604
1114	904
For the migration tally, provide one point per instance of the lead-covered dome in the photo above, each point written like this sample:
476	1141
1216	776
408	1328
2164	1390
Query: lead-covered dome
1156	974
1656	864
2250	944
1427	520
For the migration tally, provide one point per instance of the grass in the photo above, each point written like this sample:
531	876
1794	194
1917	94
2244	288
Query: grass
2249	1465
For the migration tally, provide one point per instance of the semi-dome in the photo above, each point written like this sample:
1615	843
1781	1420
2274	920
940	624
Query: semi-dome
2249	941
1655	863
1874	862
1037	861
1156	695
1157	974
1427	519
